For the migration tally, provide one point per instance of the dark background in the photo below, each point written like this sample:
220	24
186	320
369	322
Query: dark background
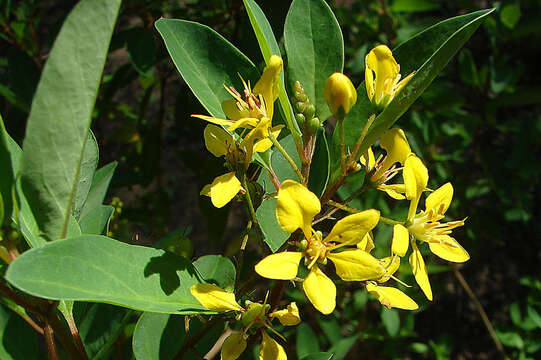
478	125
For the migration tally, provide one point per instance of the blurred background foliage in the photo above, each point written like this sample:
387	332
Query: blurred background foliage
478	125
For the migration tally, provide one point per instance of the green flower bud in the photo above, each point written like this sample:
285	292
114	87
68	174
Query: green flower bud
310	111
300	119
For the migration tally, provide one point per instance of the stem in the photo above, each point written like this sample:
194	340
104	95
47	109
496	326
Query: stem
287	157
390	221
241	254
49	340
5	256
76	337
65	338
329	213
481	312
343	207
249	200
359	141
343	168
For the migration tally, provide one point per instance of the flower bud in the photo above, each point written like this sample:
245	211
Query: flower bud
339	93
309	111
300	119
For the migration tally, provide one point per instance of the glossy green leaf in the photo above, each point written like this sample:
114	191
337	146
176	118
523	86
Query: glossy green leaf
87	169
279	163
321	161
273	234
426	53
206	61
269	46
98	189
216	269
97	221
314	47
17	339
307	342
60	117
7	180
510	15
99	269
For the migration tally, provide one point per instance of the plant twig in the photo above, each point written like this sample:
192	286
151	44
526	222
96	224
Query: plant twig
49	341
192	340
286	156
481	312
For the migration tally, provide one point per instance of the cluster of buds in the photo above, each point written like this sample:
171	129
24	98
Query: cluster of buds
305	111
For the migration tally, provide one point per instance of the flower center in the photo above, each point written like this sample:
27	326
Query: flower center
316	250
426	226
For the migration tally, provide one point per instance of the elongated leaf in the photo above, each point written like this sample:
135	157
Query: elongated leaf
86	173
7	180
206	61
59	121
307	342
96	221
100	269
269	46
273	234
315	49
98	189
321	161
216	269
426	53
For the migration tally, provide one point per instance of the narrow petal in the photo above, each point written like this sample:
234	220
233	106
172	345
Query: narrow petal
418	268
265	144
296	207
279	266
391	265
371	159
289	316
400	240
268	83
395	191
224	188
231	110
214	298
205	190
242	123
218	141
320	290
353	228
367	243
217	121
391	297
356	265
270	349
233	347
415	176
449	249
440	199
395	143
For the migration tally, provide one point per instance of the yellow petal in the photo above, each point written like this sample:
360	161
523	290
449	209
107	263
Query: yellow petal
356	265
402	83
394	190
279	266
371	159
339	92
232	111
415	180
214	298
391	297
270	349
268	83
440	199
367	243
224	188
449	249
400	240
242	123
320	290
296	207
289	316
418	268
218	141
265	144
233	346
395	143
381	62
217	121
353	228
391	265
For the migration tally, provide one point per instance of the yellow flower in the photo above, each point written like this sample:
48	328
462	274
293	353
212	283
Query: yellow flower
214	298
339	93
382	76
425	226
391	297
255	105
295	208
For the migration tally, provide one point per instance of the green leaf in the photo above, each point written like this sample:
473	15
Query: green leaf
100	328
7	180
99	269
331	328
88	167
321	169
269	46
206	61
216	269
97	221
98	189
17	339
391	321
160	337
342	347
510	339
141	48
279	163
318	356
273	234
426	54
314	47
411	6
307	342
510	15
60	117
534	315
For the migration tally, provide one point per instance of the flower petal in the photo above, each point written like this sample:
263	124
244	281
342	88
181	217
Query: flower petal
268	83
279	266
214	298
395	191
242	123
395	143
391	297
356	265
320	290
218	141
371	159
367	243
296	207
289	316
440	199
391	265
381	62
353	228
265	144
449	249
418	268
233	346
270	349
232	111
415	179
217	121
224	188
400	240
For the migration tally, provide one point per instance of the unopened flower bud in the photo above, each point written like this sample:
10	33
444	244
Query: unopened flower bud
300	106
313	125
339	93
300	119
309	111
